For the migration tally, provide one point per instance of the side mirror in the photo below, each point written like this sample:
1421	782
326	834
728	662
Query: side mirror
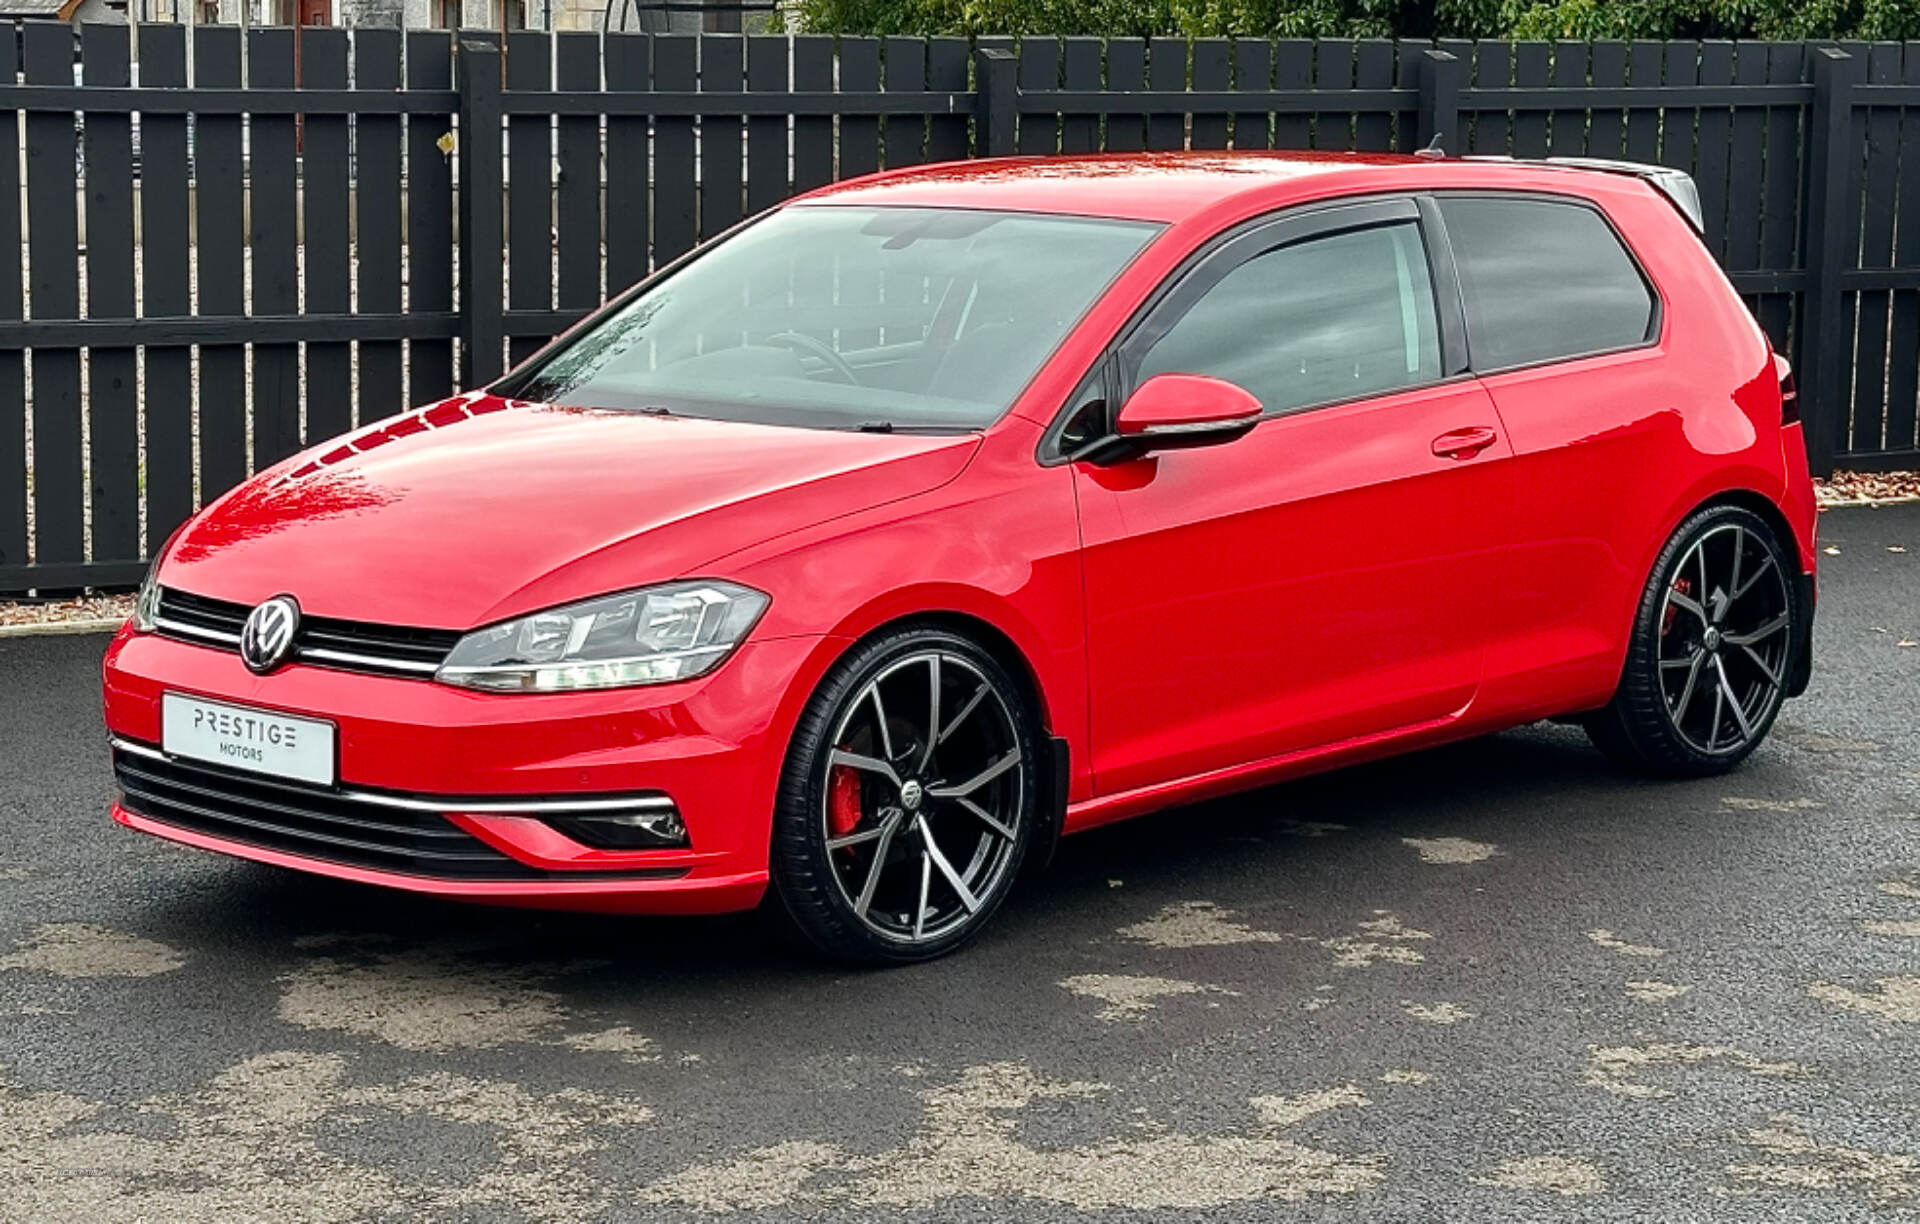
1180	411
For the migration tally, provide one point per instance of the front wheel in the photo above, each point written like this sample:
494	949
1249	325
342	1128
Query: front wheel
1713	644
908	801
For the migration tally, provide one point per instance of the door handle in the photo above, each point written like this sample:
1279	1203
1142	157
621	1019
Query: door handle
1464	443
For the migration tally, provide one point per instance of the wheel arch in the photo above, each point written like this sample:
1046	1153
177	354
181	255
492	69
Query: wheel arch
992	636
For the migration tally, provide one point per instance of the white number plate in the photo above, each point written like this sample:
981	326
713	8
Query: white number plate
243	738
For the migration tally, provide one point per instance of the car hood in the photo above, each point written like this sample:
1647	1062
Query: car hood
479	508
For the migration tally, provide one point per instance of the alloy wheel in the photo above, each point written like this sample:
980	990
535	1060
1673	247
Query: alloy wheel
1724	640
923	803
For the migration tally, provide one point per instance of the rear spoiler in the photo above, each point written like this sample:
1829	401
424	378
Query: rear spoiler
1677	185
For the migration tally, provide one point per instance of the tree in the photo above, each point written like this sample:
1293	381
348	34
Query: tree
1579	19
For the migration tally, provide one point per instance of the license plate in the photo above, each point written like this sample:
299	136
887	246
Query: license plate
240	737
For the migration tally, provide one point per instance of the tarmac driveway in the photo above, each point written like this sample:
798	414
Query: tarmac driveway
1492	982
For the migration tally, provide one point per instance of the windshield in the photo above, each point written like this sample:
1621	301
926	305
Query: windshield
890	318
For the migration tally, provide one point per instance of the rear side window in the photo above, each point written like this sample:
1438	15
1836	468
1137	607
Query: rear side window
1322	320
1543	280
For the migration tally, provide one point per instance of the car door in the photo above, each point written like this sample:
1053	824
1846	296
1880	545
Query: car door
1327	576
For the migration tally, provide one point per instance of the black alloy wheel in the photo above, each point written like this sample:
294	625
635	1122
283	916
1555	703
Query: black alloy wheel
908	801
1713	646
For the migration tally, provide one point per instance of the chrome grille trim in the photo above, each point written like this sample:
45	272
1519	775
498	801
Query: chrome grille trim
642	802
381	650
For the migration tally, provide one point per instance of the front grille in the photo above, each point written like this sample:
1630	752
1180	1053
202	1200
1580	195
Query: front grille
406	834
306	820
385	650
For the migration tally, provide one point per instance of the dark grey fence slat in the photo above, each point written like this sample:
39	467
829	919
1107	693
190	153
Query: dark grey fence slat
859	134
1532	67
1783	162
812	134
377	70
767	134
1492	130
629	150
904	137
1167	70
675	224
1677	123
1373	68
113	411
1567	133
576	58
1039	70
1646	66
1126	73
948	136
722	71
1712	155
530	188
1252	70
1606	129
482	225
1212	69
1879	131
220	230
1333	69
1080	69
1293	69
52	236
13	366
1744	194
1903	364
325	184
430	204
273	221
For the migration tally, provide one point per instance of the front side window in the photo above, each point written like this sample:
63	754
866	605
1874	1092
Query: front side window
843	317
1321	320
1543	280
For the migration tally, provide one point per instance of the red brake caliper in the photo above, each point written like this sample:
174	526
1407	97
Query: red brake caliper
843	800
1681	586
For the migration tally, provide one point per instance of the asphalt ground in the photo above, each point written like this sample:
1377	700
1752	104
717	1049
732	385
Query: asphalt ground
1492	982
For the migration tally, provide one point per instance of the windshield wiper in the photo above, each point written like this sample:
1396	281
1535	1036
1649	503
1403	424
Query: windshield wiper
880	427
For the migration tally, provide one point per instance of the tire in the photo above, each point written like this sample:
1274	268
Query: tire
885	852
1716	636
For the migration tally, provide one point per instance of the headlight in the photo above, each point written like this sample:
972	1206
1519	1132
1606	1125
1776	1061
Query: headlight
146	604
650	636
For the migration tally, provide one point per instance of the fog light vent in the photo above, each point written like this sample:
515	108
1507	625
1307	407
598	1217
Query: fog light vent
656	827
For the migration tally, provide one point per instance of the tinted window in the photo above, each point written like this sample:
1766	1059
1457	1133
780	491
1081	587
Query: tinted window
1543	280
1322	320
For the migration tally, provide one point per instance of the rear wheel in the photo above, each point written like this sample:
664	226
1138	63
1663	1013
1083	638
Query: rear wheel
908	801
1713	644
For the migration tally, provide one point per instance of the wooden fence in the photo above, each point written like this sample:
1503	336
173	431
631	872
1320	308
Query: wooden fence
268	240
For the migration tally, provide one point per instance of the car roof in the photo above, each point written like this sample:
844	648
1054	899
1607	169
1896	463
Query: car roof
1176	186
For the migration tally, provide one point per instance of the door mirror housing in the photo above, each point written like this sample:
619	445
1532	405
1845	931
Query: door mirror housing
1179	412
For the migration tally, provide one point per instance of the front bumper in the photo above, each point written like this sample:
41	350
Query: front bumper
714	746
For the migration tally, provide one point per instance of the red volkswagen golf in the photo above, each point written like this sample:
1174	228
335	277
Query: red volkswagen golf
858	556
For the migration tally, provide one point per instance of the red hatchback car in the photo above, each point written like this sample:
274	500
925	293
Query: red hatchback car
864	552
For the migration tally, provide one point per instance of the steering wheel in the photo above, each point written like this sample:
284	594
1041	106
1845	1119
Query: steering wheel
802	343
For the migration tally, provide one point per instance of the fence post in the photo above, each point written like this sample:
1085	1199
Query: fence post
996	102
482	232
1827	200
1440	100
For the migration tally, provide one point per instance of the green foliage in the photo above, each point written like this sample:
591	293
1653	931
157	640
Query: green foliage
1577	19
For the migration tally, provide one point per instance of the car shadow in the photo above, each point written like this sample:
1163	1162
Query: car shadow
1493	786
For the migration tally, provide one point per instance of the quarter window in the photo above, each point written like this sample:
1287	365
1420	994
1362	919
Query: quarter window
1543	280
1321	320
